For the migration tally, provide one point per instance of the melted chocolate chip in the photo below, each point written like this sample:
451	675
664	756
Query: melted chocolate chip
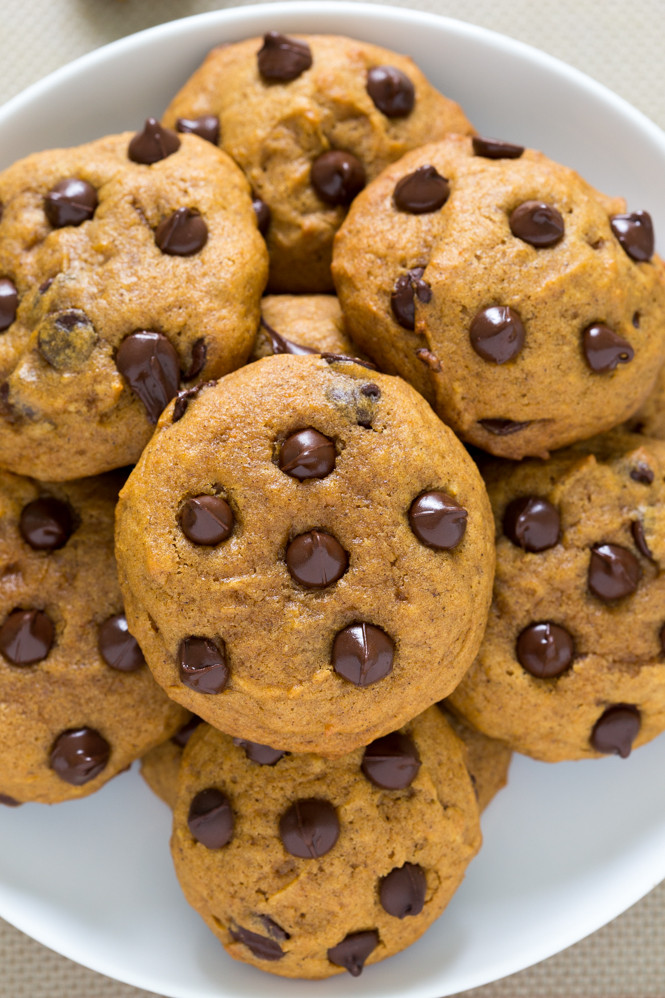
26	637
206	127
151	367
66	339
280	345
8	303
337	177
497	334
119	649
402	892
275	930
502	427
363	654
532	523
261	947
70	202
495	148
307	454
438	520
199	355
309	828
263	215
183	233
78	755
46	524
545	650
391	762
604	349
184	398
152	144
616	729
614	572
263	755
210	818
391	91
429	359
537	223
422	191
642	473
203	665
407	288
353	950
335	358
637	530
9	801
281	58
184	733
206	520
635	233
316	559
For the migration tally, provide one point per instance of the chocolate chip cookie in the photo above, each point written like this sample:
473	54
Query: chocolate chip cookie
571	666
264	847
77	701
302	324
310	120
650	418
129	268
487	759
305	553
160	766
525	306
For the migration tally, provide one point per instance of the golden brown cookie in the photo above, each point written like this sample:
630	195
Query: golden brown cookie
160	766
571	666
306	554
309	120
265	848
525	306
129	267
487	759
650	418
302	324
77	701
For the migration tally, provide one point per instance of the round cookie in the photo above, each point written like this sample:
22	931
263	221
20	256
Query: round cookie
305	554
650	418
302	324
264	848
77	702
571	665
487	759
160	766
309	120
129	267
517	299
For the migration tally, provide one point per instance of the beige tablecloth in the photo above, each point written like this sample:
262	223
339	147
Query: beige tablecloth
622	44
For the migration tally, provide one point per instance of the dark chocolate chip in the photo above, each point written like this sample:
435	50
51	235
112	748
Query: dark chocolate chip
438	520
70	202
545	650
183	233
616	729
604	349
637	530
203	665
78	755
206	519
316	559
363	654
26	636
495	148
151	367
429	359
407	288
309	828
642	473
184	733
8	303
46	524
263	755
199	354
635	233
371	391
66	339
337	176
391	90
210	818
636	320
614	572
263	215
261	947
119	649
402	892
152	144
43	288
307	454
503	427
275	930
422	191
206	127
537	223
497	334
391	762
532	523
334	358
282	58
280	345
353	950
9	801
183	399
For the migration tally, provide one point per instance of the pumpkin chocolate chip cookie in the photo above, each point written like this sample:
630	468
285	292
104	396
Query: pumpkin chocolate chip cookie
302	324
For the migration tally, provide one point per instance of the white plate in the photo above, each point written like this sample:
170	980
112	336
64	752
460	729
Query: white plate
567	847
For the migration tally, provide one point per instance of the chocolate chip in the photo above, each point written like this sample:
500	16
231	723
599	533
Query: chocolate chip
637	530
337	177
261	947
616	729
614	572
199	354
438	520
309	828
282	58
429	359
117	646
307	454
70	202
636	320
642	473
532	523
316	559
202	665
495	148
371	391
422	191
9	801
183	233
407	288
151	367
635	233
206	127
43	288
391	762
275	930
183	399
604	349
391	90
280	345
263	755
402	891
497	334
8	303
353	950
263	215
503	427
46	524
206	520
210	818
363	654
537	223
78	755
184	733
26	636
152	144
66	339
335	358
545	650
661	635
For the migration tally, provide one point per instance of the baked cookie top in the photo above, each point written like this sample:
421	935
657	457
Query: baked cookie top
302	324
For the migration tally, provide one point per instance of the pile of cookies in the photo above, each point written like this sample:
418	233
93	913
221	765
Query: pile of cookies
323	319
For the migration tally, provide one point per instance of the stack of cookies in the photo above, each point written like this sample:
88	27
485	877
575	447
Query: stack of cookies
323	320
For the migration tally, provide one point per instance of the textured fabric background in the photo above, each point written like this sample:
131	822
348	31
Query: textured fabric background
622	44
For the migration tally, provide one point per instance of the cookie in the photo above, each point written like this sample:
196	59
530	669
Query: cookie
487	759
77	701
129	268
571	665
650	418
305	554
302	324
265	847
525	306
160	766
310	120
